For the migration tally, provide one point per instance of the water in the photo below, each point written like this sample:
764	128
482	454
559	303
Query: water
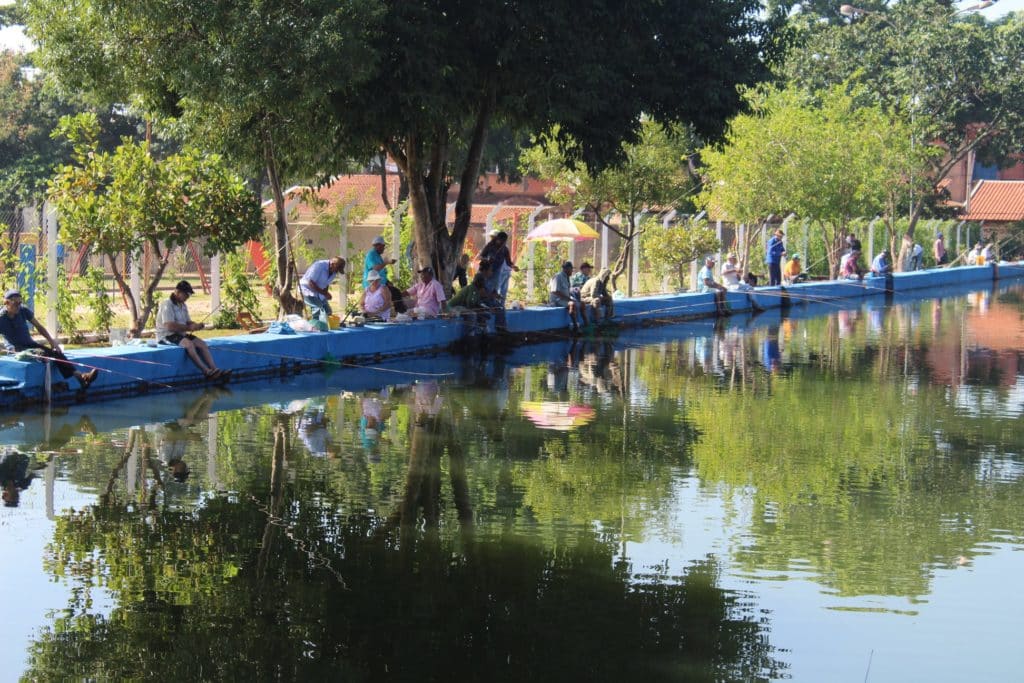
832	496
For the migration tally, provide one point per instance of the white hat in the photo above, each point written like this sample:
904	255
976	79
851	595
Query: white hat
372	275
379	239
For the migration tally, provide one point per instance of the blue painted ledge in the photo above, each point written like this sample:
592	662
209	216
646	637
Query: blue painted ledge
131	370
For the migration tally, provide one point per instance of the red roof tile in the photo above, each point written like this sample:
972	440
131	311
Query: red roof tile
997	200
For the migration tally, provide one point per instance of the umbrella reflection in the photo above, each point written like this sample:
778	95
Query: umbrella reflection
562	417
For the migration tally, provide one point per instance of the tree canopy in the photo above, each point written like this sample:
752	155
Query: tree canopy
122	200
825	158
956	78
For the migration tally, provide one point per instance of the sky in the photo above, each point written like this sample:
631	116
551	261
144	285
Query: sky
13	38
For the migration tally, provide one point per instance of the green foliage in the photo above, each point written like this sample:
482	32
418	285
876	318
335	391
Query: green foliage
237	290
653	175
827	158
670	250
119	201
68	321
955	79
98	298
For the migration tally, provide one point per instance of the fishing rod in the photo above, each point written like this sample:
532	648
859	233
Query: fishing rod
99	369
325	361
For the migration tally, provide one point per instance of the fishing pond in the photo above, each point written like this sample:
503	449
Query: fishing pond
831	492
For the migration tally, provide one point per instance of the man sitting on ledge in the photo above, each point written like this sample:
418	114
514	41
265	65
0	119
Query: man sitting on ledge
14	327
594	294
174	327
560	294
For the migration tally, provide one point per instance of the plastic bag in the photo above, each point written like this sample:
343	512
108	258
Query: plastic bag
280	328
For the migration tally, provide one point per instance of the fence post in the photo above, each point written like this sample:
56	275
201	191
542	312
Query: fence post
52	279
214	283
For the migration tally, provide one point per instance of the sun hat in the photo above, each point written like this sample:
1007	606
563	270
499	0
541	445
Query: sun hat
796	256
372	276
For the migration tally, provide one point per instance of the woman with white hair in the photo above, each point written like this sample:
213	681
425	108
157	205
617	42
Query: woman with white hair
376	301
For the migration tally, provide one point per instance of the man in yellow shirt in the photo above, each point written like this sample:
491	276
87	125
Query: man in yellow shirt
793	271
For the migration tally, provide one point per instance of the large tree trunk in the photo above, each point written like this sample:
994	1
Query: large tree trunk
424	162
282	245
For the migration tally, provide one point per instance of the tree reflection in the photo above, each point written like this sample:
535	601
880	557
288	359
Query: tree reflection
282	582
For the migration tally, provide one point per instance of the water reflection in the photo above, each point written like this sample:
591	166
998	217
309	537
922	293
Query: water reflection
425	526
297	586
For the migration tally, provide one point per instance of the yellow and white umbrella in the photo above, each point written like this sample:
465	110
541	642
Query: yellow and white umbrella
562	230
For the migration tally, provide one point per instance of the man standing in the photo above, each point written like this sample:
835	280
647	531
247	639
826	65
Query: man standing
559	294
773	257
375	261
939	250
14	328
174	327
428	293
315	284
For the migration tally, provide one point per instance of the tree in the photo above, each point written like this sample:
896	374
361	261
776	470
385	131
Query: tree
247	79
652	175
28	113
676	246
122	200
824	157
957	79
449	72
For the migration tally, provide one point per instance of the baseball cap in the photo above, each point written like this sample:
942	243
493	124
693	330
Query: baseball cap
11	293
426	269
184	286
377	240
372	275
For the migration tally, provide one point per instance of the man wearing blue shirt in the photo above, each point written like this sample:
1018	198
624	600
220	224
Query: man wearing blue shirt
773	257
14	327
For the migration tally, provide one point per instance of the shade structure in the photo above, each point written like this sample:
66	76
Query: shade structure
562	417
562	230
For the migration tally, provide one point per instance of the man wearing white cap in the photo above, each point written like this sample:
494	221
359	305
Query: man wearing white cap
706	283
375	262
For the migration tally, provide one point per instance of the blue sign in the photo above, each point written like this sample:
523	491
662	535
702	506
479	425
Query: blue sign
26	274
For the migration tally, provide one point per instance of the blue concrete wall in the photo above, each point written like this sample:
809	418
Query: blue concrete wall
138	369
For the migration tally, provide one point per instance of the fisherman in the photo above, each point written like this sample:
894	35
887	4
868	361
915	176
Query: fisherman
560	294
496	252
315	284
793	272
376	302
14	328
706	283
375	262
882	265
974	256
774	251
849	267
939	250
174	327
594	294
427	294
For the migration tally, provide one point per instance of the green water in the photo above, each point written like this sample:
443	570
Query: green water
827	498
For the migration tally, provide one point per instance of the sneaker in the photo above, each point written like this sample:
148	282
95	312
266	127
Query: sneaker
89	377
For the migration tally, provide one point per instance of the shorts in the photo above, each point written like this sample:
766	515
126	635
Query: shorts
176	338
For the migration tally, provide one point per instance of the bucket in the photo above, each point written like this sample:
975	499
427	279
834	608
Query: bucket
333	322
